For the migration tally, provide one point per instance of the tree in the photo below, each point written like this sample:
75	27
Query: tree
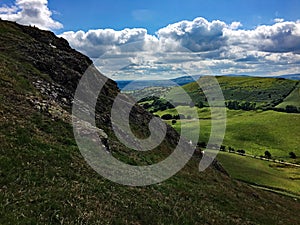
292	155
241	152
199	104
146	105
230	149
268	155
192	104
176	117
223	148
291	109
167	117
173	122
201	144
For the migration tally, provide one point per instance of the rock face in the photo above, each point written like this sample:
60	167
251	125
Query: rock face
60	69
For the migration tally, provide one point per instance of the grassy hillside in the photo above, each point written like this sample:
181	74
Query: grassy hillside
292	99
45	180
239	92
254	131
261	172
264	92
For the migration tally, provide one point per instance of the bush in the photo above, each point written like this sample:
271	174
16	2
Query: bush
230	149
176	117
167	117
199	104
244	105
291	109
174	121
201	144
223	148
268	155
292	155
146	105
241	151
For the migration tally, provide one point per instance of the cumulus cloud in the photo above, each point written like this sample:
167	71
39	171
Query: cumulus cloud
194	47
30	12
280	37
97	42
235	25
197	35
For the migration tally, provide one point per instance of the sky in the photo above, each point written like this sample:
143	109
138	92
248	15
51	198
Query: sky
139	39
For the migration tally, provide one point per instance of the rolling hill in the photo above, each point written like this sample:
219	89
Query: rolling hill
260	92
45	180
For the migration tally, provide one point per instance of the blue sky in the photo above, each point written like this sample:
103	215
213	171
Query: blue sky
120	14
218	37
153	15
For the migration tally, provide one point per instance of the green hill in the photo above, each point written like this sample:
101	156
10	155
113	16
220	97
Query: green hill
45	180
292	99
243	92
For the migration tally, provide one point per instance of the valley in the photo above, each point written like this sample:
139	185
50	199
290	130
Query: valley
254	131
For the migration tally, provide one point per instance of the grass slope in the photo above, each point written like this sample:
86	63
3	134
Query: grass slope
261	172
260	91
45	180
255	132
292	99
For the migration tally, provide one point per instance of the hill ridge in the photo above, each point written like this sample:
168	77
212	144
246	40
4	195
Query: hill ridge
44	179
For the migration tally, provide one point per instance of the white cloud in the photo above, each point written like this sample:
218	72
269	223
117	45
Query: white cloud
194	47
97	42
197	35
30	12
278	20
235	25
280	37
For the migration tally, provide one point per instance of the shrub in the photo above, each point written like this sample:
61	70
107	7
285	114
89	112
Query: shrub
167	117
291	109
268	155
201	144
241	151
223	148
292	155
230	149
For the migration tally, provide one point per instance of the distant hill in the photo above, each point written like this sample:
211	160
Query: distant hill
186	79
239	92
127	85
130	85
291	76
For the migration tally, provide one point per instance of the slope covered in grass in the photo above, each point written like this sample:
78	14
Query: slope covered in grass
292	99
260	172
45	180
239	92
253	131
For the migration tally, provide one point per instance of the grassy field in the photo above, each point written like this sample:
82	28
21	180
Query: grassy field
261	172
292	99
253	131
